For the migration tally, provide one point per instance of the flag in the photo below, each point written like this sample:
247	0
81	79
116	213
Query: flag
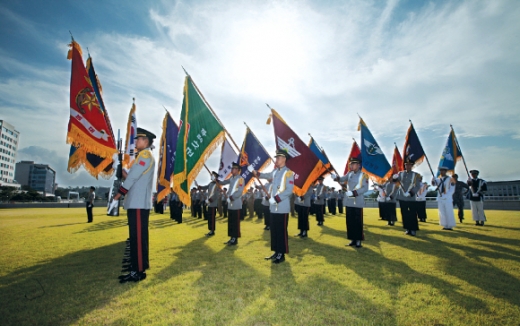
320	153
397	161
451	154
354	152
200	134
89	131
304	163
167	149
373	159
252	152
227	157
413	149
131	131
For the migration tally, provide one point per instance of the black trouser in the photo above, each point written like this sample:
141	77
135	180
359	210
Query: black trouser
303	218
138	225
176	211
409	215
225	208
258	208
332	206
340	206
212	214
89	212
387	211
205	210
198	209
192	208
279	237
459	202
267	215
381	210
313	208
234	223
421	210
319	212
355	223
244	210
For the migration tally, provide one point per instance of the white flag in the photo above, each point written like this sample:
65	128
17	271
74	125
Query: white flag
227	157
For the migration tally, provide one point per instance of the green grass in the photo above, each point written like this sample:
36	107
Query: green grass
56	269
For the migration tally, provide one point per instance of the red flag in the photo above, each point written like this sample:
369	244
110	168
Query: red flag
304	163
88	129
397	161
354	152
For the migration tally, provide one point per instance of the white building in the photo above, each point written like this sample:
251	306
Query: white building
9	141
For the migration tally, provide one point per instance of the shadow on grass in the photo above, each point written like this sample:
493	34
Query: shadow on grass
105	225
71	286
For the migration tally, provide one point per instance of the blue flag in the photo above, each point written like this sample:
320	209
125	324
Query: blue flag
167	151
413	150
252	152
316	150
373	159
451	154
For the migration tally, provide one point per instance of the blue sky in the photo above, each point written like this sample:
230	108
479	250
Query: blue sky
318	63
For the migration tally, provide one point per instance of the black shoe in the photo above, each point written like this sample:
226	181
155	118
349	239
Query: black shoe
448	229
210	234
267	228
133	277
482	223
352	243
358	244
412	233
233	242
407	232
280	258
228	242
270	257
298	235
460	219
477	223
304	234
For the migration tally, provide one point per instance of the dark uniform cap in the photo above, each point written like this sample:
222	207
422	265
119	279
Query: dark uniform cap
355	160
320	178
282	152
235	165
409	161
144	133
474	171
443	168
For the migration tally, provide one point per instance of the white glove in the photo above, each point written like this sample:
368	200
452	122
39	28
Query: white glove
475	194
333	176
272	201
213	177
387	199
207	202
396	176
250	168
126	170
115	159
407	194
113	204
228	201
349	194
90	205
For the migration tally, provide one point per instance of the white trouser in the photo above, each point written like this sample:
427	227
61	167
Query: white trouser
477	210
446	215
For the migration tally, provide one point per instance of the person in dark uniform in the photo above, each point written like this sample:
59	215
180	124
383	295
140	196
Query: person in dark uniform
280	204
354	201
409	184
175	207
266	206
461	190
212	201
137	188
236	187
319	202
341	196
90	203
224	199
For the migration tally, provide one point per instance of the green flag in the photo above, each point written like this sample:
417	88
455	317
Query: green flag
199	135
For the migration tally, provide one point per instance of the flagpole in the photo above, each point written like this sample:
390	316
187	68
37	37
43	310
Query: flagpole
216	117
425	156
463	159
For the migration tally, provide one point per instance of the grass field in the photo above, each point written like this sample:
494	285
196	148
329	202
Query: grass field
56	270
